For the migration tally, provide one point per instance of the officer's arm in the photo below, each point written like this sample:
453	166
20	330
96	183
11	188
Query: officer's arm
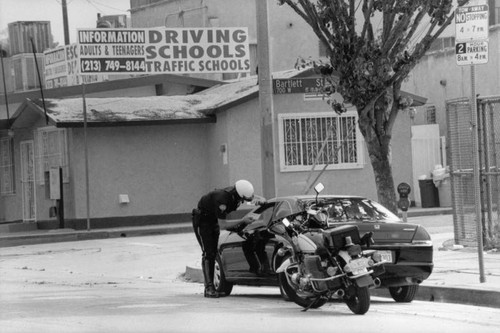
230	224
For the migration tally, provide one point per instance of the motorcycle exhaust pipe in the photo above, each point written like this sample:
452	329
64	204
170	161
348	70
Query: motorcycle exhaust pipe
377	282
340	293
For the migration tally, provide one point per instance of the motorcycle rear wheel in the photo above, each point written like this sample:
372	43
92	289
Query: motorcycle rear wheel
359	301
294	297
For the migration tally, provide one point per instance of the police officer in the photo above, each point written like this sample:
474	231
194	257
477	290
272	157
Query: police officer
210	216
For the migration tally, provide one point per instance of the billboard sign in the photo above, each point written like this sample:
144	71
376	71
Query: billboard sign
164	50
62	70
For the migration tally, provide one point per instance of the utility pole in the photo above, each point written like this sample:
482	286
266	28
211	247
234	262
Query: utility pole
4	84
65	22
266	102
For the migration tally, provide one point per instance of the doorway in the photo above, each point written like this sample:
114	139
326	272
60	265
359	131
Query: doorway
28	187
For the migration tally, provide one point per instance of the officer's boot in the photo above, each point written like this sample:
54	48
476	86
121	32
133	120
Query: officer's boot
208	275
265	266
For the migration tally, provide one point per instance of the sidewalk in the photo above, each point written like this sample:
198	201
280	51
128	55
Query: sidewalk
455	278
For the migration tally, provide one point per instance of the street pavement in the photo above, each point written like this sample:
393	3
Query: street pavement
455	279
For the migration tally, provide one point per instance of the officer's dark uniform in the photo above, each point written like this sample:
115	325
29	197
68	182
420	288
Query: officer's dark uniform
211	207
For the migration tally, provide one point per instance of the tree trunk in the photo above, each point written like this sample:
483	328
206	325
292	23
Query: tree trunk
379	152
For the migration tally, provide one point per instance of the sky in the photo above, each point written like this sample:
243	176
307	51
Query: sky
81	14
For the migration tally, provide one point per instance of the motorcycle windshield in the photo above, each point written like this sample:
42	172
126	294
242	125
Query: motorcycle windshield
344	210
368	216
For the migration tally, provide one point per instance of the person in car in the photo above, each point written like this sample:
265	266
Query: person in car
210	216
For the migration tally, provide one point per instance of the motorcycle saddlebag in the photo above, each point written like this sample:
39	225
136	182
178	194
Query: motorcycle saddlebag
336	236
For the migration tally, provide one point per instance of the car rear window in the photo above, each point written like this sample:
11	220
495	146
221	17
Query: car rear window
264	212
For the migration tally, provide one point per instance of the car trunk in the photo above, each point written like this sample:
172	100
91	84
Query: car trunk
384	233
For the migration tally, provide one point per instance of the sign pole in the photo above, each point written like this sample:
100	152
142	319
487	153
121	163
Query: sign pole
471	48
87	194
477	175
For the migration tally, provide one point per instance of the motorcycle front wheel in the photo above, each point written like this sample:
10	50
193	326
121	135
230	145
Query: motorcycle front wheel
290	292
358	301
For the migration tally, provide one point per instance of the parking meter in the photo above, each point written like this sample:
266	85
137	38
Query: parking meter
404	203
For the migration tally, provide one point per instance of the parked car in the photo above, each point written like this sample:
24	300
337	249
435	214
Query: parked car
251	256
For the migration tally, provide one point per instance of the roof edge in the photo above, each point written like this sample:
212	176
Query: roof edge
133	82
80	124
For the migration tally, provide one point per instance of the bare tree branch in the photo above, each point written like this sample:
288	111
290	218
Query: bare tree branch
367	10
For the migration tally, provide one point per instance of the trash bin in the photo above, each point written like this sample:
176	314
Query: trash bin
441	178
444	189
428	193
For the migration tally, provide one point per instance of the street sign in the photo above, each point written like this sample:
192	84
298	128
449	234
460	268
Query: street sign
471	22
298	85
472	53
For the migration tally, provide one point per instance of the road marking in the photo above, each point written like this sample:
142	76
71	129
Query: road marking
63	297
163	305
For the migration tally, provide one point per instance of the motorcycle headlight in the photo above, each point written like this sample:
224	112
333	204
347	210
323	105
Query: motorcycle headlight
321	217
354	250
376	256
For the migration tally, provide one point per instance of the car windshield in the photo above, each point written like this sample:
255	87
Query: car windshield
341	210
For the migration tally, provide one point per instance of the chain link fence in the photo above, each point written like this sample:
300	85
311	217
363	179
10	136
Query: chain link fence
462	154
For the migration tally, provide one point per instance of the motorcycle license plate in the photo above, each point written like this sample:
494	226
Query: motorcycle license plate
386	256
358	266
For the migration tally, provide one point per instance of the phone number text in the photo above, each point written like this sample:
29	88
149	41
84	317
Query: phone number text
117	65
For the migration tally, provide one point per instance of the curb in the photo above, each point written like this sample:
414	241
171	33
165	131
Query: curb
457	295
70	235
427	293
194	275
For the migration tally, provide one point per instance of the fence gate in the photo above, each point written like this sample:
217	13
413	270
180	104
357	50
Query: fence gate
462	156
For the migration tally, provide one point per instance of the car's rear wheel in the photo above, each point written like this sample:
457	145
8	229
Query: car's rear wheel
222	286
404	294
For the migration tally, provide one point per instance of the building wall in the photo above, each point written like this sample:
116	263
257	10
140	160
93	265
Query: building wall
160	168
244	145
234	147
243	127
285	26
217	171
359	181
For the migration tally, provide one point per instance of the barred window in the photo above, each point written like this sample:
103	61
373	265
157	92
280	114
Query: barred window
324	139
431	114
51	151
7	179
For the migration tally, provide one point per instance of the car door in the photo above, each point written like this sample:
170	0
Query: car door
232	247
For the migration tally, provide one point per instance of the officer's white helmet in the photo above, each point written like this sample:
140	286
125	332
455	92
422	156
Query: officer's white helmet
244	189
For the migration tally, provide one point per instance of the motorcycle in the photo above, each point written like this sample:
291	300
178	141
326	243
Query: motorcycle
320	263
